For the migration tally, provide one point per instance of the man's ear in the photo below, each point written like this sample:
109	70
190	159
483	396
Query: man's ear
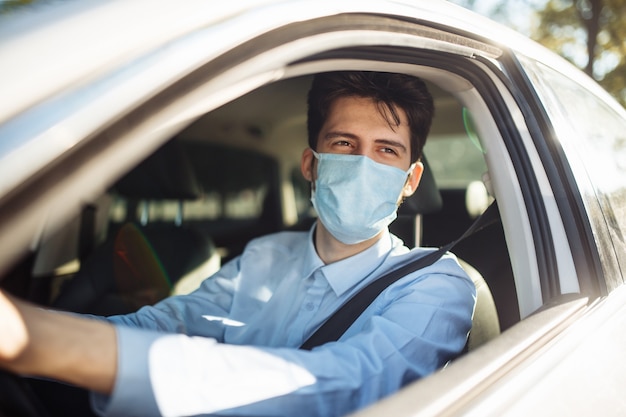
306	164
414	180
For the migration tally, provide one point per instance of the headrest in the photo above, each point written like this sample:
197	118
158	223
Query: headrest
226	169
166	174
426	198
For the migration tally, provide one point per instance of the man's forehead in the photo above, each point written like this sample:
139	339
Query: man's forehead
347	113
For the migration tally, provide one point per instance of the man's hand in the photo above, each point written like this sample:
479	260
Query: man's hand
57	345
13	330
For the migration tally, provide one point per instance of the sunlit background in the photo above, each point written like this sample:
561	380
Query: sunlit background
589	33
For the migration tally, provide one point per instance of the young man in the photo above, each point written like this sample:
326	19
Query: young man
232	347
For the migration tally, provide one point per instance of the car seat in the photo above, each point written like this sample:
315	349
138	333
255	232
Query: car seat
427	200
123	273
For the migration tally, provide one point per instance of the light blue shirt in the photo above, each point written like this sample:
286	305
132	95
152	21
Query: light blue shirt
231	347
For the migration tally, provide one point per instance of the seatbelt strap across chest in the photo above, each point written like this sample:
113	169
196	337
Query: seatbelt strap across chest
337	324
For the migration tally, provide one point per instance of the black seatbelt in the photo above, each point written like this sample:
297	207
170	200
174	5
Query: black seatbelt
336	325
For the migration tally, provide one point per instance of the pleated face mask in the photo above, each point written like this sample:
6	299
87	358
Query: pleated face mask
356	197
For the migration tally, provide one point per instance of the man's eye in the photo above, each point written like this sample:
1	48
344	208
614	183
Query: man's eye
390	151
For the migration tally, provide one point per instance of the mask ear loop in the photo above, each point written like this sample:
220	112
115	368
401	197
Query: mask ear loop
313	173
409	172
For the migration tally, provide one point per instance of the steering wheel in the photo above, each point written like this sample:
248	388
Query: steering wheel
17	398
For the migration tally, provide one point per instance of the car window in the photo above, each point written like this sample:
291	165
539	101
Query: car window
243	204
455	160
594	139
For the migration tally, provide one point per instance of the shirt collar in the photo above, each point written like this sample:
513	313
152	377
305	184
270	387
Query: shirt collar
345	274
312	261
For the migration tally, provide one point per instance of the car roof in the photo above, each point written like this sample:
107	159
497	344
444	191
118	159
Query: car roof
55	46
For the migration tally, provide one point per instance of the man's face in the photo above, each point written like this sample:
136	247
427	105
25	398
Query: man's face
355	126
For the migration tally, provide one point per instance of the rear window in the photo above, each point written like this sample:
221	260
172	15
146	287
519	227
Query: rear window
456	161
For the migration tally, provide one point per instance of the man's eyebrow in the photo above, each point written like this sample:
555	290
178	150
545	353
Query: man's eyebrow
341	134
393	143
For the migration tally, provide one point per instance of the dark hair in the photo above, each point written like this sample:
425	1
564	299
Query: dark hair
386	89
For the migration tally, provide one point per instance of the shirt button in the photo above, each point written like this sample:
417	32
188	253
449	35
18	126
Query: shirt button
309	306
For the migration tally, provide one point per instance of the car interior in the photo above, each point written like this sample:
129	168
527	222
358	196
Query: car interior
232	175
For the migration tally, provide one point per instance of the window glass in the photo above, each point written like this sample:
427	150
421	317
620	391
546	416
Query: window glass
455	160
594	139
209	206
244	204
233	184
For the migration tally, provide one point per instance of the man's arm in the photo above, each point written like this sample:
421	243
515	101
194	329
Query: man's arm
410	331
57	345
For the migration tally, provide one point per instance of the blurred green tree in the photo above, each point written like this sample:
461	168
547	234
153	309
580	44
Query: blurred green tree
591	34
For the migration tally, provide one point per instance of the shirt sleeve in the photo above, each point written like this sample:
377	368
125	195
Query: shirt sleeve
137	332
202	311
411	330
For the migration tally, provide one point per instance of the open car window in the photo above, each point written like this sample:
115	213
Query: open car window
233	174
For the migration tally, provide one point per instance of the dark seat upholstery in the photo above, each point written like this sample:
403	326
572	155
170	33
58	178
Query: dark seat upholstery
103	285
425	200
228	171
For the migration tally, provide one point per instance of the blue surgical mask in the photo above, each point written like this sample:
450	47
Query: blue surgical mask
356	197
